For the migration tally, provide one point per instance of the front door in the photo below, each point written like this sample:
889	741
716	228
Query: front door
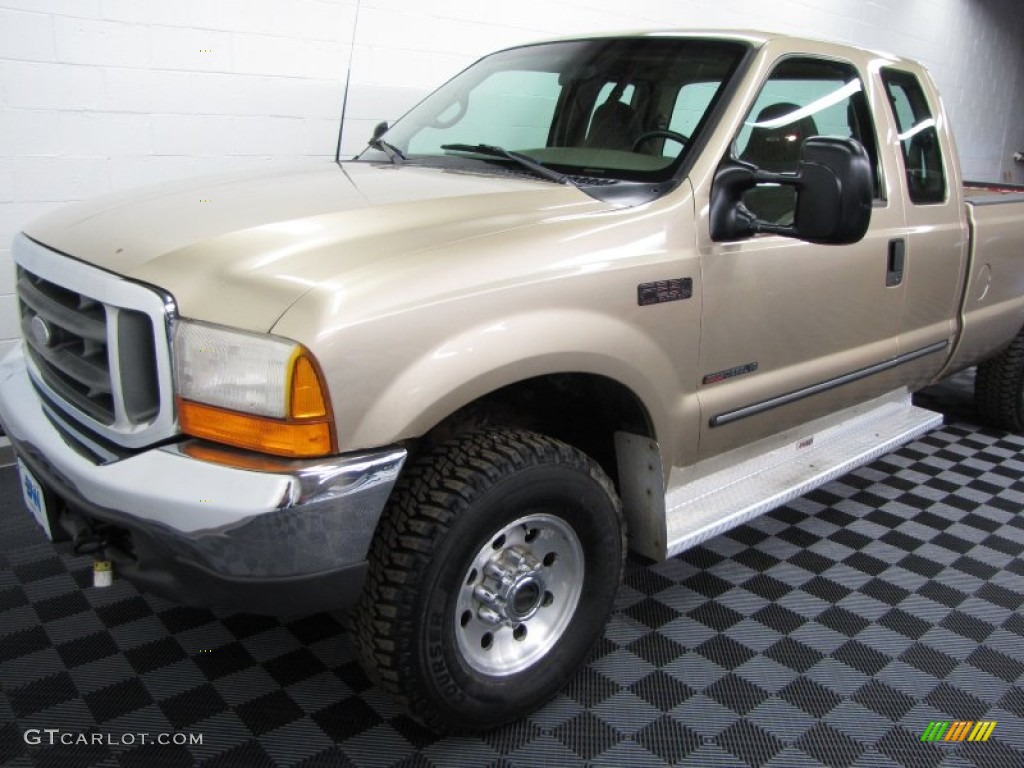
788	327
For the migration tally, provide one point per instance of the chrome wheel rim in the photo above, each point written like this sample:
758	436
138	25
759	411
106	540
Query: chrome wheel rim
518	595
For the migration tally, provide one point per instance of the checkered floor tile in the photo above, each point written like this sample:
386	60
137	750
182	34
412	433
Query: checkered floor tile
829	632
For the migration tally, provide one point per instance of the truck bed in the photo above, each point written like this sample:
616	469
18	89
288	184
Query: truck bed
987	193
992	310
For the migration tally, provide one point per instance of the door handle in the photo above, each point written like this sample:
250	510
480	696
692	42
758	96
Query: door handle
896	260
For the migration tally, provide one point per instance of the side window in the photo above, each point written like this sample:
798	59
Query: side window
802	98
919	140
513	109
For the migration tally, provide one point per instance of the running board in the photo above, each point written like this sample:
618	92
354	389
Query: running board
704	508
710	498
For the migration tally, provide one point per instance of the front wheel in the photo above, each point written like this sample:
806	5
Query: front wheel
491	576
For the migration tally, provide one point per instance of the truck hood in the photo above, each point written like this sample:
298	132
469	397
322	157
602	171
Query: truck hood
240	249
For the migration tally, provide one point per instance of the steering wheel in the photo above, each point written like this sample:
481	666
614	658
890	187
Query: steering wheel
656	134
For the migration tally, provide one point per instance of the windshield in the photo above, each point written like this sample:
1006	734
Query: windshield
618	109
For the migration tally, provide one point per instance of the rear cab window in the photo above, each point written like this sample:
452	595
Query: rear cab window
918	137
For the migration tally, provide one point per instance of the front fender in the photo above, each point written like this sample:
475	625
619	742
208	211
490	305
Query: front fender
484	358
408	343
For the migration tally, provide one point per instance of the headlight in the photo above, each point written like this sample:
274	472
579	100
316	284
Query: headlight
253	391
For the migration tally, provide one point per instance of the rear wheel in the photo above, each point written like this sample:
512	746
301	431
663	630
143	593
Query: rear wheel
491	576
999	388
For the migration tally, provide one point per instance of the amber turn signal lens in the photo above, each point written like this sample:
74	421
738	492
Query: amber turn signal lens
295	439
307	396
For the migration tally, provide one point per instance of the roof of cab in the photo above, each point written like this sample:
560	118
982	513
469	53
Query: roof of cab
741	35
756	38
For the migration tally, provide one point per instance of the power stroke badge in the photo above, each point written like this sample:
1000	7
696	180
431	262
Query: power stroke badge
664	290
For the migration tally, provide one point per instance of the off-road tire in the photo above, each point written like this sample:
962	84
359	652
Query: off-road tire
450	502
999	388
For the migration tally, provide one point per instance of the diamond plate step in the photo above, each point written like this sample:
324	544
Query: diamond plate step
705	507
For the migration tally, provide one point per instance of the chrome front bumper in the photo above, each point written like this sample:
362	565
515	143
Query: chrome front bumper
232	534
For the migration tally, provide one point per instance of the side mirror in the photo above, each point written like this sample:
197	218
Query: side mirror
378	130
833	188
833	205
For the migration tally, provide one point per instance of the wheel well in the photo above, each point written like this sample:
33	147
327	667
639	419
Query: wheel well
583	410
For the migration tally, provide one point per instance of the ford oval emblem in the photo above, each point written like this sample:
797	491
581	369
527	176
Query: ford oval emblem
41	331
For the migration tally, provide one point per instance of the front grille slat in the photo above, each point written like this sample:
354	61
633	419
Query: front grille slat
87	371
71	336
102	410
86	320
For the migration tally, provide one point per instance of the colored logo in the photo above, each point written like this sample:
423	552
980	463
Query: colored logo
33	494
960	730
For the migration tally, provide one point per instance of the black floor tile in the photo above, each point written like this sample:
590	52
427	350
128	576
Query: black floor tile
662	690
930	661
736	693
586	735
885	700
904	623
811	697
669	739
155	654
830	747
118	699
23	642
85	649
794	654
998	664
754	745
225	660
42	694
347	718
268	712
293	667
861	657
192	706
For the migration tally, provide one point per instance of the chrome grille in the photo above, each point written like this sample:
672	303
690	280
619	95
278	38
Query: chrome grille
98	345
66	335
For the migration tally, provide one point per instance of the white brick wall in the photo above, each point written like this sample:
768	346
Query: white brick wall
98	95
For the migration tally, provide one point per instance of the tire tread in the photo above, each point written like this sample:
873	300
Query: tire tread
999	386
432	492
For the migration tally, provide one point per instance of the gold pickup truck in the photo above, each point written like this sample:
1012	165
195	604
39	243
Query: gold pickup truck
613	292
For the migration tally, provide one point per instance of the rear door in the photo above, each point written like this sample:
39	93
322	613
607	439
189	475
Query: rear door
935	243
789	328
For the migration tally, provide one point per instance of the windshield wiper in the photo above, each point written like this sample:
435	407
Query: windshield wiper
524	160
394	154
